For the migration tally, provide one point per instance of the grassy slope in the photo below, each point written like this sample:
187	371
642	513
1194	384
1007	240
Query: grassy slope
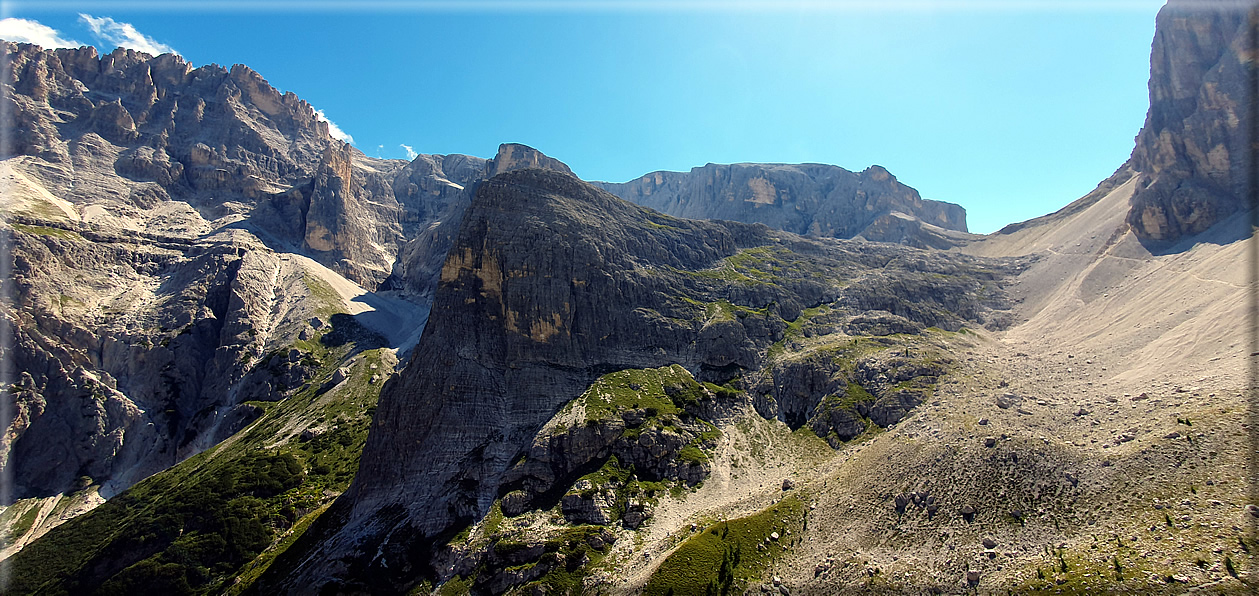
201	526
728	556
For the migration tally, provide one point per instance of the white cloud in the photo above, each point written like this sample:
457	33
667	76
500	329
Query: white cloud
411	154
23	30
333	130
124	35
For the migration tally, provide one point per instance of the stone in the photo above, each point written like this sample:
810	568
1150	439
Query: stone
1006	401
514	503
636	513
587	507
990	442
902	502
881	323
634	418
788	484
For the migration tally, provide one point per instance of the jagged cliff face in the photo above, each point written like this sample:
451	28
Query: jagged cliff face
132	353
813	199
206	132
156	213
153	144
1195	151
420	260
552	283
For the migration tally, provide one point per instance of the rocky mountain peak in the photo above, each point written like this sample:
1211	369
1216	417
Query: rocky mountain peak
549	284
514	156
878	173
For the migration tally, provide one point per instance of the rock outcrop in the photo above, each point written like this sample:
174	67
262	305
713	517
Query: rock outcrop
813	199
1196	149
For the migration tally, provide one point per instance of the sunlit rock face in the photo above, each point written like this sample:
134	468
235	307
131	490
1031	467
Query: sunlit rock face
813	199
1194	152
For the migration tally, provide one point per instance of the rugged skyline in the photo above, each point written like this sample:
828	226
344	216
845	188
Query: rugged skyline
251	359
1012	112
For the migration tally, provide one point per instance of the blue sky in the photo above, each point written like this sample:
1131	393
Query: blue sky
1010	109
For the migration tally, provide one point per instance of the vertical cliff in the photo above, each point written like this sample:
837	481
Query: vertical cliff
1197	147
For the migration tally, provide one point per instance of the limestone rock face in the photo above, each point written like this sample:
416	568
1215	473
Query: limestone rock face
420	260
514	156
132	355
1194	151
900	228
814	199
528	307
154	144
549	284
153	210
186	128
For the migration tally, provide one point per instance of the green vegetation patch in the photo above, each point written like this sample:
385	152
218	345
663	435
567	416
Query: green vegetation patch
252	571
570	556
661	391
627	486
728	556
1121	569
18	518
855	394
329	299
760	265
47	231
189	532
222	514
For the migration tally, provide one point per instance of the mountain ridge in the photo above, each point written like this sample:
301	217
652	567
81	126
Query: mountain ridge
813	199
